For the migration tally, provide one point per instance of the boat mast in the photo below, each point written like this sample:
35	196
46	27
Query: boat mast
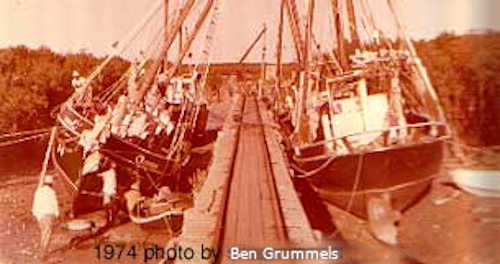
344	63
192	37
263	63
303	124
279	53
180	39
293	20
165	65
151	72
353	29
429	92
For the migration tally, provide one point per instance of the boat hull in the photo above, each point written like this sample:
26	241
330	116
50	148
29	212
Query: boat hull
405	173
131	157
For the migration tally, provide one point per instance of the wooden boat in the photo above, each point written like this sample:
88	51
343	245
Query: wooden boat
405	172
152	214
366	125
154	163
151	93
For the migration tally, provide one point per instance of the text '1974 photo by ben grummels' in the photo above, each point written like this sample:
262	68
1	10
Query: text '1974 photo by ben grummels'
250	131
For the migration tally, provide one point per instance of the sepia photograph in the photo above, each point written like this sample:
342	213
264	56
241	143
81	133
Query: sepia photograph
250	131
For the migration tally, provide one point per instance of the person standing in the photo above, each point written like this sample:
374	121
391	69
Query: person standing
109	191
82	96
46	210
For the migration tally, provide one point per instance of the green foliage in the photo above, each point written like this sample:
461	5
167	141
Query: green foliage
464	71
33	82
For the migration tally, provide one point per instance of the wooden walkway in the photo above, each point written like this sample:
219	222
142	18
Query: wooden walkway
253	217
248	200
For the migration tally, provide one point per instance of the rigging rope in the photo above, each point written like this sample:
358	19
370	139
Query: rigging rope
359	171
111	92
13	142
24	133
127	40
206	53
47	156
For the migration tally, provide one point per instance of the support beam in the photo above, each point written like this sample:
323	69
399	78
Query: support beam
250	48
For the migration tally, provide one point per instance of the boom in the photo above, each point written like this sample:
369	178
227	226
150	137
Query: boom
249	49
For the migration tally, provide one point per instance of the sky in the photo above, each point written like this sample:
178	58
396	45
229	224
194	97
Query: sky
93	25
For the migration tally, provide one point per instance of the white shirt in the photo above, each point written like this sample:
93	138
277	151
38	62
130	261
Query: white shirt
118	115
45	202
91	163
109	182
88	140
138	126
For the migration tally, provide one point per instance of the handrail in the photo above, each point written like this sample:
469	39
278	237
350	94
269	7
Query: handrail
418	125
364	150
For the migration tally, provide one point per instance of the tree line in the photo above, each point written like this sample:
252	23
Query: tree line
463	70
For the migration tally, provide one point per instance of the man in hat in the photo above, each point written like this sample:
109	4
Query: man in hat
46	210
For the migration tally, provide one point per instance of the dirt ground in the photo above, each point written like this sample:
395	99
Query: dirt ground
19	235
446	226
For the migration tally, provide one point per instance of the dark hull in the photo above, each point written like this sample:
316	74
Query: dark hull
403	172
152	165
